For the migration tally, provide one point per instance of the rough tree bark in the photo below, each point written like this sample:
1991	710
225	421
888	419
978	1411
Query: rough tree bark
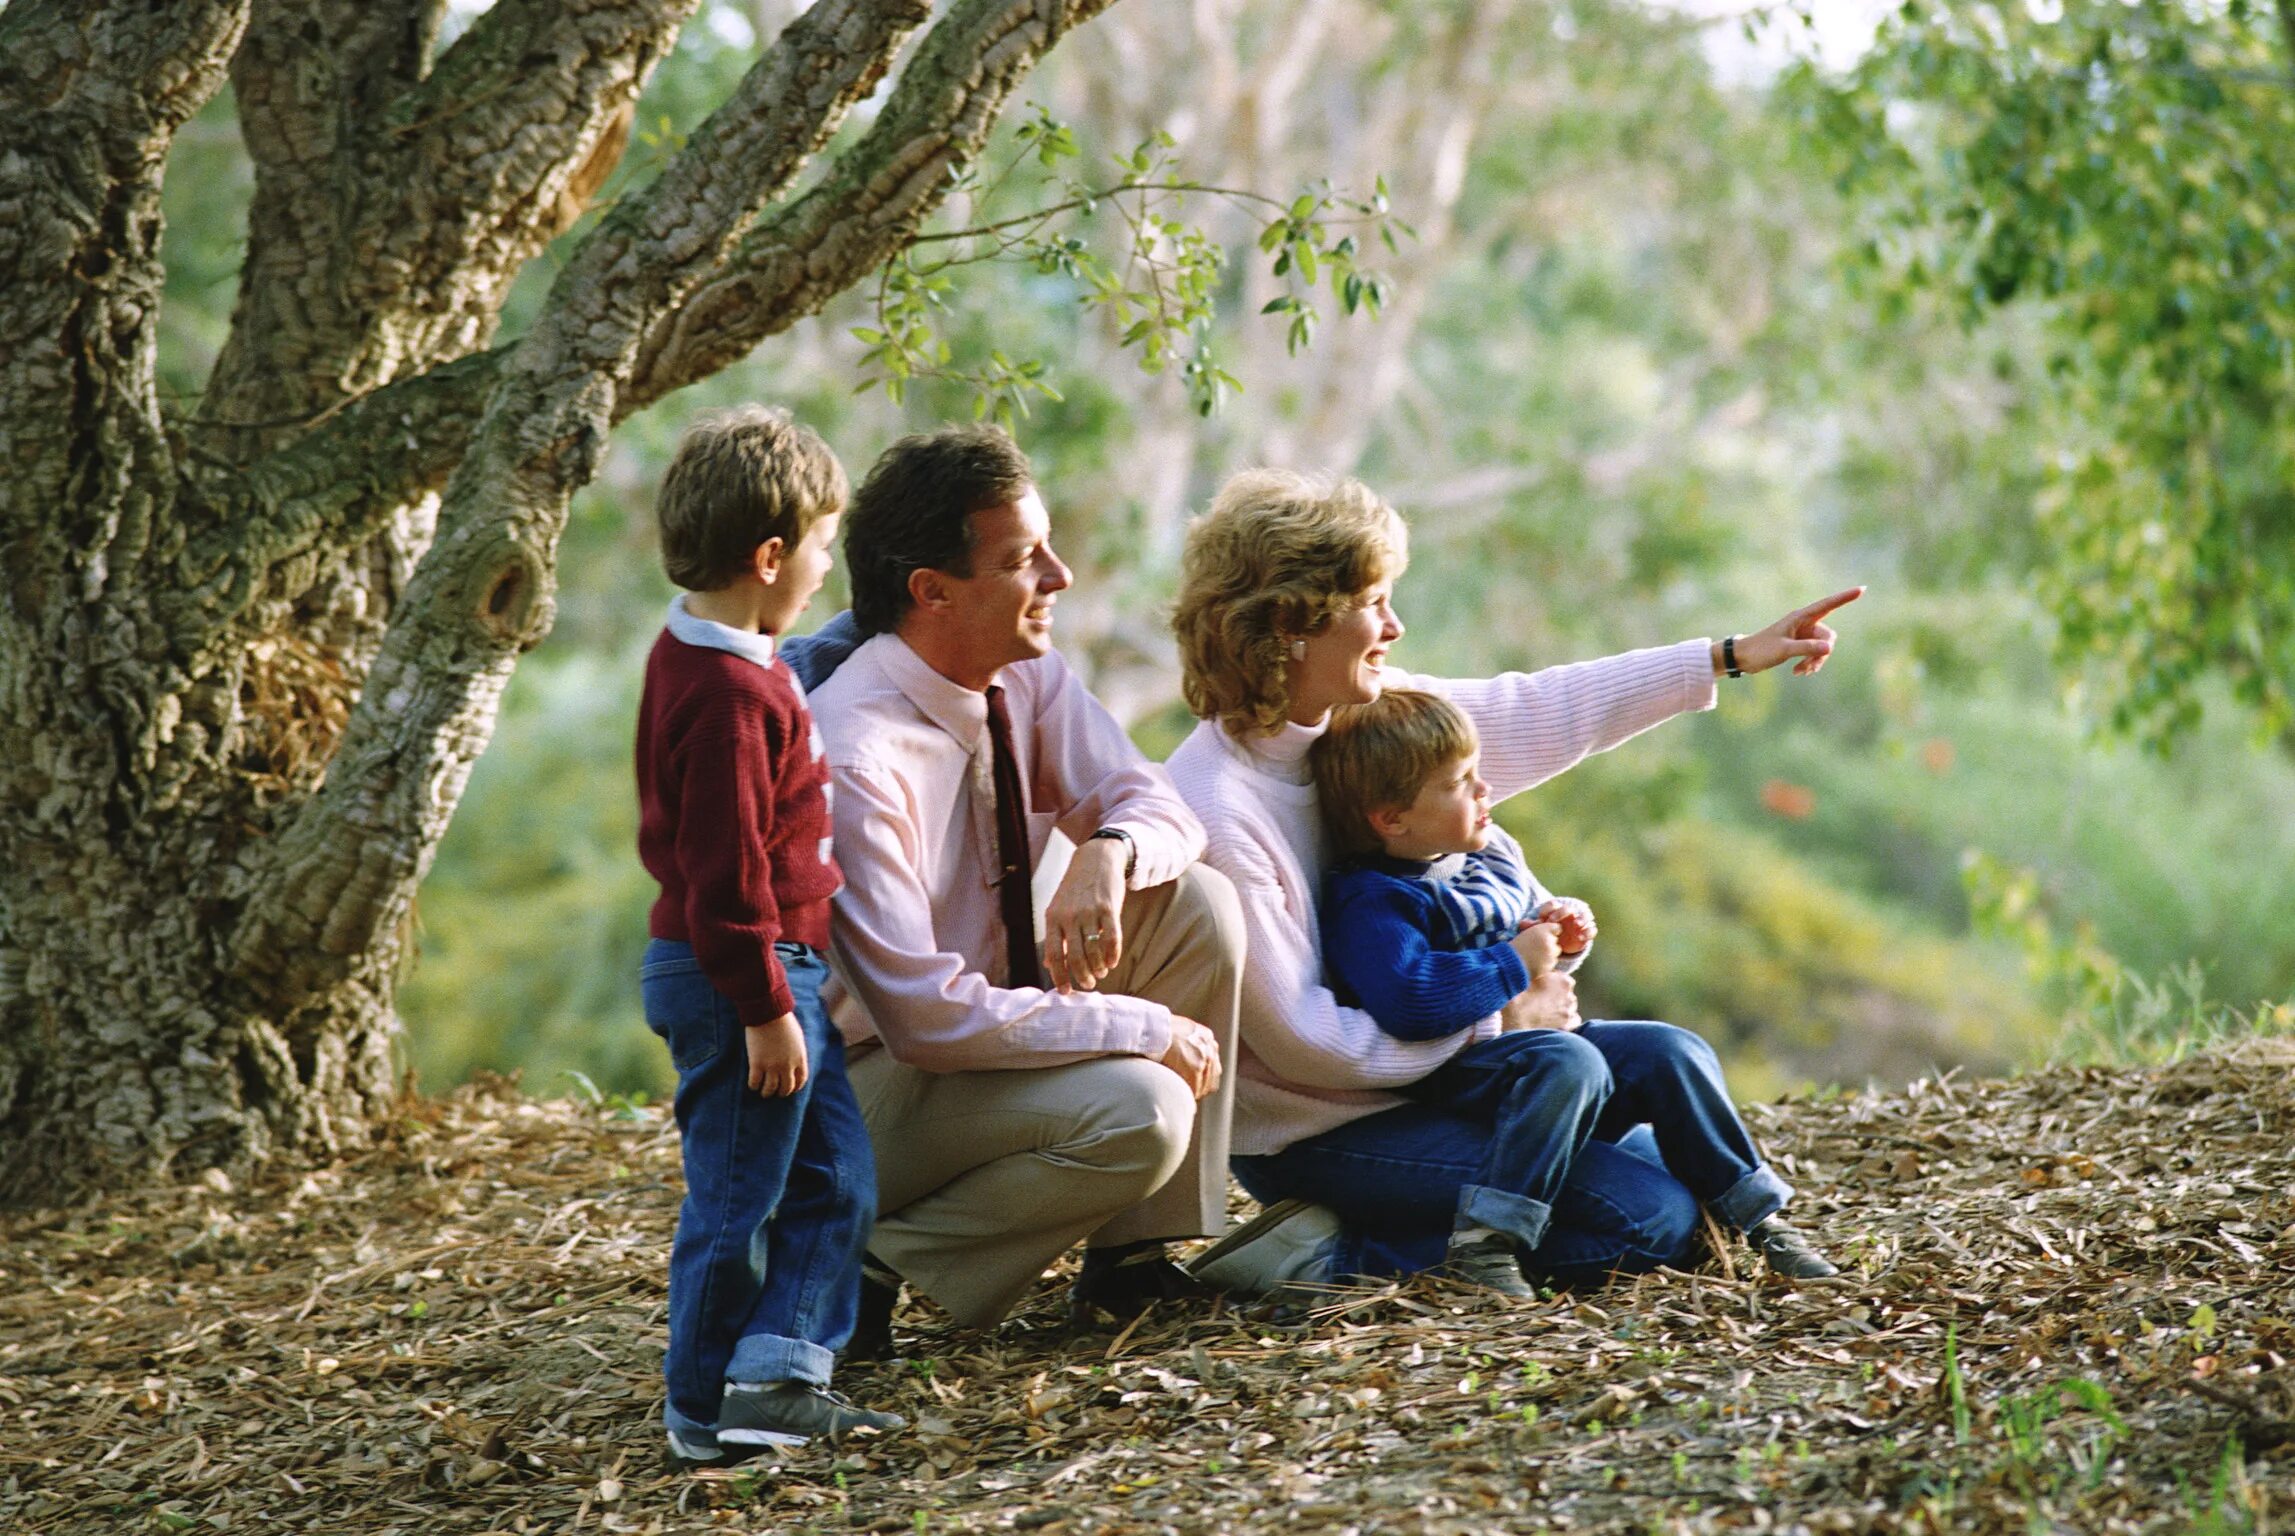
248	658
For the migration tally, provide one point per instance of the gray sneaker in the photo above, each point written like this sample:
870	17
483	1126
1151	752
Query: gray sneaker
793	1413
1487	1263
1787	1252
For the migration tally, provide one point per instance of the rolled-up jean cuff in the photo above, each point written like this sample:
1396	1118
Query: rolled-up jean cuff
769	1357
1753	1199
1518	1216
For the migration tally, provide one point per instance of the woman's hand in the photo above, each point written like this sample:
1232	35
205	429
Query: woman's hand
1801	637
1549	1002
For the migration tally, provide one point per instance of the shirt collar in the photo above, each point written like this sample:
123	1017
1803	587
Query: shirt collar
956	709
692	630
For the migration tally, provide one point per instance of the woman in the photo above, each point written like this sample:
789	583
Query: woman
1285	614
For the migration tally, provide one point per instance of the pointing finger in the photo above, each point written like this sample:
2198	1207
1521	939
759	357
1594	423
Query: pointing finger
1825	605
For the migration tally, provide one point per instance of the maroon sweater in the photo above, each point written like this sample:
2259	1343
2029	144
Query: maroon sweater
733	818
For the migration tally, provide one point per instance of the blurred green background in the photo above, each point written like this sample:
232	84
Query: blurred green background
1629	387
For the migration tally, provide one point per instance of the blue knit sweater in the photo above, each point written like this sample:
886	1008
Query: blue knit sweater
1381	952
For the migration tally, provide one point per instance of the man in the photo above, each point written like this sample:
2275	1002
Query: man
1020	1096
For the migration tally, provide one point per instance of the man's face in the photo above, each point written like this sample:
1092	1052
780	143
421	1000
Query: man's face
1004	608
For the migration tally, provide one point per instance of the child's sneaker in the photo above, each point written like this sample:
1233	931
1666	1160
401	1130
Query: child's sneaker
791	1413
1487	1262
1787	1252
690	1449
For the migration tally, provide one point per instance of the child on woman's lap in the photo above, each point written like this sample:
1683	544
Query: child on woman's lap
1433	922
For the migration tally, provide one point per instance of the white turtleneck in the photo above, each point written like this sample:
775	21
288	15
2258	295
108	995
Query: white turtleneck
1309	1064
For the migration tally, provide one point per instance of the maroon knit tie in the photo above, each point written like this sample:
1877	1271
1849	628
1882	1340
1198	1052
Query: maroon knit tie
1013	894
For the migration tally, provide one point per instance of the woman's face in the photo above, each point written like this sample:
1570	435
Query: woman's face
1339	664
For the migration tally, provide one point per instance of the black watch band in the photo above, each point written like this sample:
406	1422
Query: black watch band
1729	657
1131	849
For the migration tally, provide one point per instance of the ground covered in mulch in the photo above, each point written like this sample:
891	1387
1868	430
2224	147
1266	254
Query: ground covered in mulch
2068	1308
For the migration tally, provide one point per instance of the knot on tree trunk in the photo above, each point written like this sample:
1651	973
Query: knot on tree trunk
510	592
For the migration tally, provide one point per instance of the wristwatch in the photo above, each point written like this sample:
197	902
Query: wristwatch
1131	849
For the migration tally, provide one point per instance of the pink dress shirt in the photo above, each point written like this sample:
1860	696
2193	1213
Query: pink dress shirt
917	940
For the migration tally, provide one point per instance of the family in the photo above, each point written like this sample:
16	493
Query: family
1300	952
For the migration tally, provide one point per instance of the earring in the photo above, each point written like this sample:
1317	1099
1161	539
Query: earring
1298	650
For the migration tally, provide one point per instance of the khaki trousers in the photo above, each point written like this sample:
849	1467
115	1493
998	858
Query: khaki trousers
984	1178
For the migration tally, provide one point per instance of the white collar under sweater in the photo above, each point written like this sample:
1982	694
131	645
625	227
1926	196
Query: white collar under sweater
692	629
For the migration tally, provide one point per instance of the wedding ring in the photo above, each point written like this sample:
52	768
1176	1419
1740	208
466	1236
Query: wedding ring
1091	936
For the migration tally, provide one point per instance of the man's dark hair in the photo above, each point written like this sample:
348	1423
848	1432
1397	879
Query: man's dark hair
911	514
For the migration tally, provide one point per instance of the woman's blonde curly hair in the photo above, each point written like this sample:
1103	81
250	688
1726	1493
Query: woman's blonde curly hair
1277	557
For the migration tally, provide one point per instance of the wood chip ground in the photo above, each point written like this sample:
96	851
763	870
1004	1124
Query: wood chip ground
2070	1306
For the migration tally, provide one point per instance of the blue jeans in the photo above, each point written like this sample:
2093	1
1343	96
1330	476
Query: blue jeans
1540	1135
1394	1180
1629	1074
764	1273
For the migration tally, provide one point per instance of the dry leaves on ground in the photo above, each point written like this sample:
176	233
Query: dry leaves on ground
2068	1307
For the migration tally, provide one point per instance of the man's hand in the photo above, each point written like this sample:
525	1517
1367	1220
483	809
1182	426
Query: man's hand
1539	945
1574	919
1549	1002
1801	637
777	1061
1194	1055
1084	926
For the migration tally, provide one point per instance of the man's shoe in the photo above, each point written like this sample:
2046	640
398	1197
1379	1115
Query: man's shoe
1787	1252
793	1413
1124	1288
1489	1264
872	1327
1287	1244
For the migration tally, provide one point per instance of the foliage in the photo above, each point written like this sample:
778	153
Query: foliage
1793	977
2123	171
1936	732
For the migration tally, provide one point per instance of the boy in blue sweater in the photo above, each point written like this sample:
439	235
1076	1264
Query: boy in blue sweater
1433	922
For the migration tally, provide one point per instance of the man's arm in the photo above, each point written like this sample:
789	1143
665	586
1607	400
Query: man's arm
931	1007
1088	773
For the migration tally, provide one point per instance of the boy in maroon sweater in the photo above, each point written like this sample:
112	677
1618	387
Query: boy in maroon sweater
780	1187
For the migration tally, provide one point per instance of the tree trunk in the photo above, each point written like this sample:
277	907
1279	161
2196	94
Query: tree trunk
248	660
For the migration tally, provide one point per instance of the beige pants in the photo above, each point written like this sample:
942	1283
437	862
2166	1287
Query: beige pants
984	1178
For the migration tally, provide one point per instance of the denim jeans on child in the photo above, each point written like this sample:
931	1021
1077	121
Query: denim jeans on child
764	1274
1613	1076
1394	1180
1534	1134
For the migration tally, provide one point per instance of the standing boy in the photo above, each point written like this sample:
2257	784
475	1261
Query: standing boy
734	823
1432	921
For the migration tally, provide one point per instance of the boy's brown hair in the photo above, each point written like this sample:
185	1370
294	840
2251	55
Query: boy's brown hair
1379	755
739	478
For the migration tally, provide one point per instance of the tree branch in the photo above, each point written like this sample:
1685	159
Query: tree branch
333	488
343	872
91	95
867	209
396	202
